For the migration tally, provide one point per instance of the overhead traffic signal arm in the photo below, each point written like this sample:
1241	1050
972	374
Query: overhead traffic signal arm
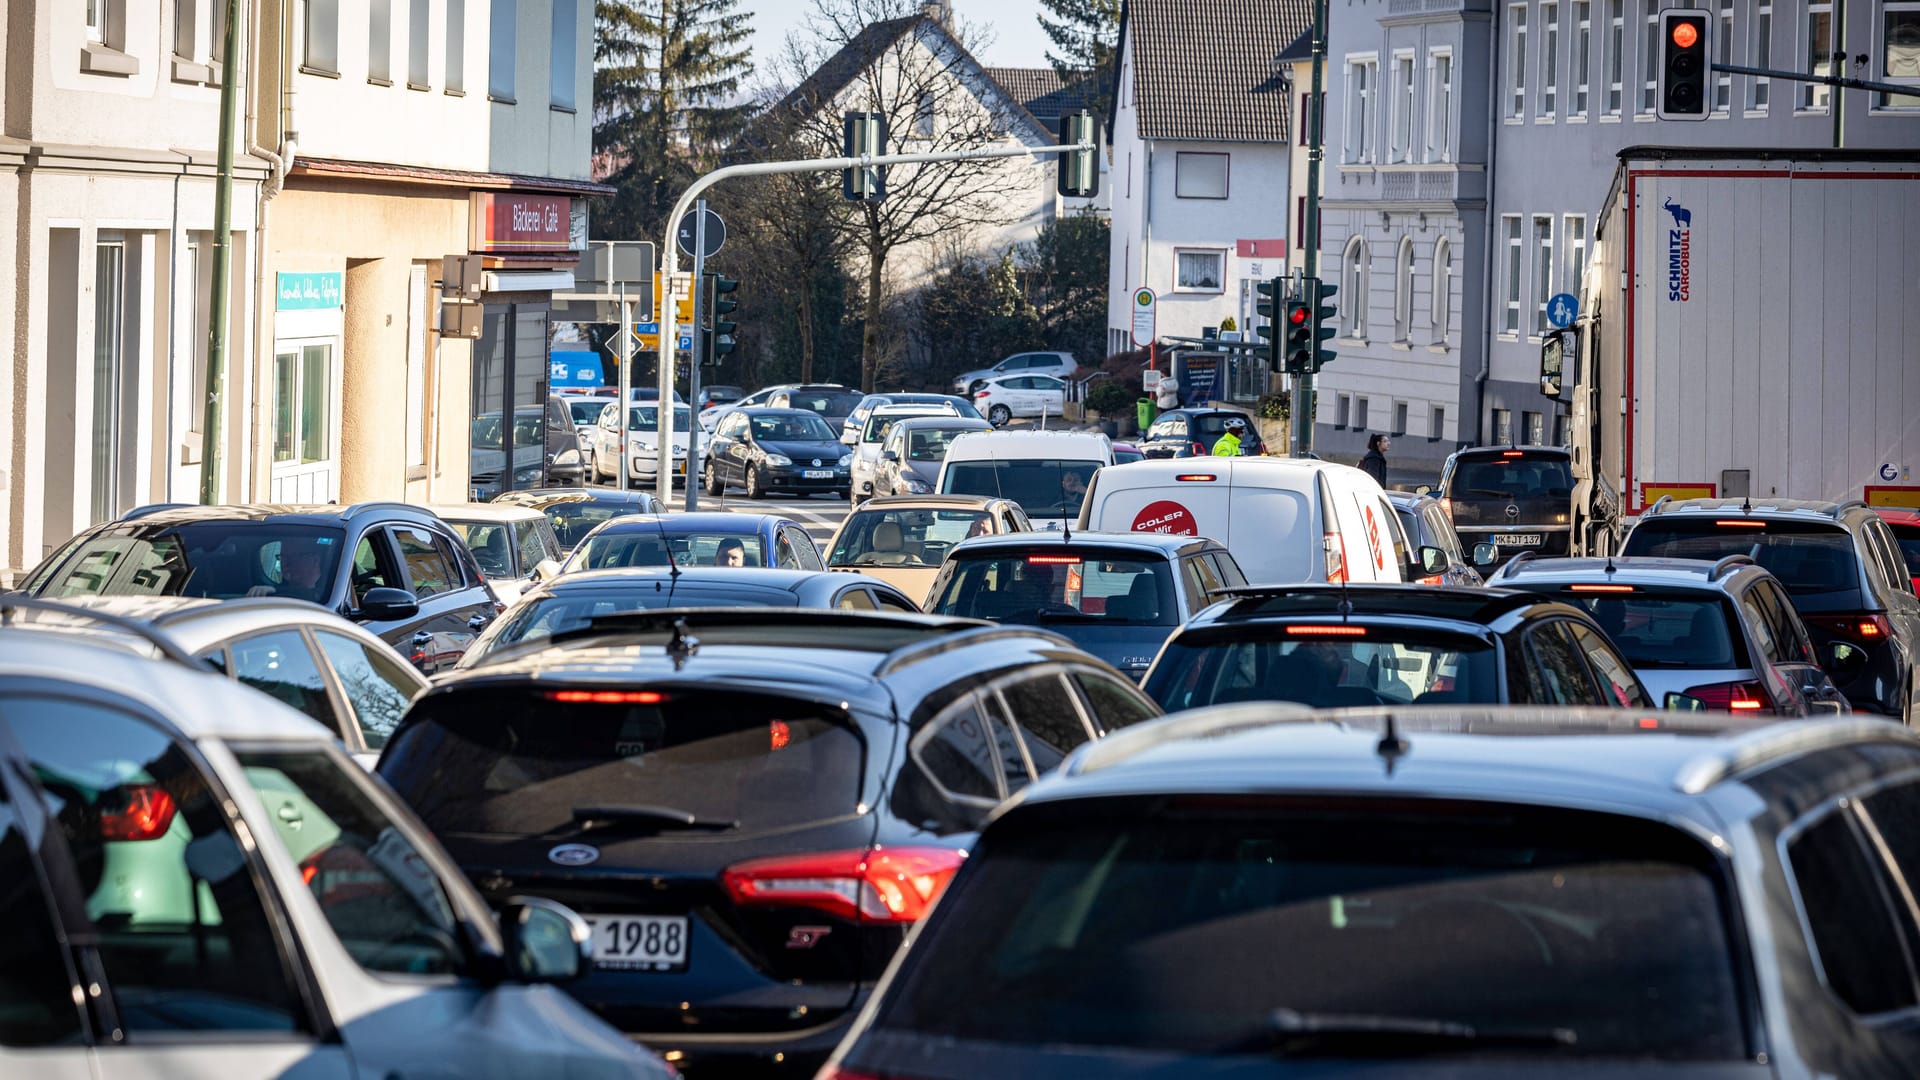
1684	70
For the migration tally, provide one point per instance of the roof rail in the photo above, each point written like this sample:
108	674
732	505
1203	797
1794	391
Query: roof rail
1778	742
144	631
1730	562
1657	504
1849	504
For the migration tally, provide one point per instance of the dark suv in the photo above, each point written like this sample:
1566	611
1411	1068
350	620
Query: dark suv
1517	498
751	808
396	569
1842	568
1261	891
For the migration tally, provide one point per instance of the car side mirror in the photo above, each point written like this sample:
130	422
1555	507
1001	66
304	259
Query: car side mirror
1433	560
546	569
889	455
1685	703
546	942
387	605
1484	556
1552	363
1843	661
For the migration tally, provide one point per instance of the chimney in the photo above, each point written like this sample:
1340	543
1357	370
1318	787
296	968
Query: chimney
940	11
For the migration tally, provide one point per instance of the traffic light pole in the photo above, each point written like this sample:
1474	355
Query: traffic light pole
670	260
626	385
1301	423
696	354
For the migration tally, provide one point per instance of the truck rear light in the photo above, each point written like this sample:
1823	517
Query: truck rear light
1732	696
145	815
1336	551
882	885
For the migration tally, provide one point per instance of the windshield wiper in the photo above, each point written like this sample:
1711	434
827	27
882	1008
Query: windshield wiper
1370	1035
645	818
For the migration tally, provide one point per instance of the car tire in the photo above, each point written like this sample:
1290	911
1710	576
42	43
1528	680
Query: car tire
754	490
999	415
713	485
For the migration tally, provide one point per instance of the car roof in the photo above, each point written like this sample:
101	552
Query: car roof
1462	604
1642	763
196	622
648	577
1409	500
929	502
775	410
486	512
277	513
1527	448
940	420
712	521
547	496
1625	569
972	438
1168	544
917	408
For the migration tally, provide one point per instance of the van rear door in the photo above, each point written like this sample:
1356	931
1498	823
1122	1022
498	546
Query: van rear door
1195	507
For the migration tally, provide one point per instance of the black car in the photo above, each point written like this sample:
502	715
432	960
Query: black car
575	600
575	511
1117	595
772	449
396	569
750	808
1179	433
1259	891
1518	498
1842	568
1368	645
1427	525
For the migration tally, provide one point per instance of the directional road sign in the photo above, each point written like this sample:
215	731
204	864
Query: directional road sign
716	233
646	335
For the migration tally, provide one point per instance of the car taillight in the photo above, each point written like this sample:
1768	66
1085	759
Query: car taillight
882	885
1863	628
1732	696
1336	549
145	815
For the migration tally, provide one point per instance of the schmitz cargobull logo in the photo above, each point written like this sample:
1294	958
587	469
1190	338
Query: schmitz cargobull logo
1679	252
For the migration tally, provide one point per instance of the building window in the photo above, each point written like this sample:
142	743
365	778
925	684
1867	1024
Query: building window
1819	53
1510	316
1442	304
923	116
1305	135
1437	423
1575	226
380	42
302	394
1650	59
1517	62
1342	410
1503	426
420	346
1199	176
1362	78
1440	106
1300	222
1549	61
503	28
1759	54
97	20
1357	275
1399	419
321	53
1723	54
199	40
1616	47
1199	271
456	46
1542	270
566	41
1403	292
417	44
111	379
1359	414
1899	51
1536	428
1582	54
1402	149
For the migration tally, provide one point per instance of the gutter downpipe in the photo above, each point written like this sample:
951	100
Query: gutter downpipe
1487	296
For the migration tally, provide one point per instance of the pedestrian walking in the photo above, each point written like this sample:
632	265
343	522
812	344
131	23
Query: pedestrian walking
1375	463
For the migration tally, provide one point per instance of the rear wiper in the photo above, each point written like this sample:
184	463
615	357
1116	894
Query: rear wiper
1487	494
1369	1035
645	818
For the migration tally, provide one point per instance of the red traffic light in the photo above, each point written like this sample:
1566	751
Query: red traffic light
1686	35
1298	315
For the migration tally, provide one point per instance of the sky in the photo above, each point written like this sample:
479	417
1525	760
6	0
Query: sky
1017	41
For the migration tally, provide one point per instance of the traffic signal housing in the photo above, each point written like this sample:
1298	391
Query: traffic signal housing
1682	89
1299	344
717	341
1079	169
1320	295
1268	305
864	134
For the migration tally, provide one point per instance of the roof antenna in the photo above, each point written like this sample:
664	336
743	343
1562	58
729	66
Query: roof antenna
1391	746
1610	567
1066	528
1746	503
672	565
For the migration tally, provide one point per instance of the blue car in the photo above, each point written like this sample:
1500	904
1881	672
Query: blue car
700	539
1116	595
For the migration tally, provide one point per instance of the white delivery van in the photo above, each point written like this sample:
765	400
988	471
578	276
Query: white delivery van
1046	472
1284	519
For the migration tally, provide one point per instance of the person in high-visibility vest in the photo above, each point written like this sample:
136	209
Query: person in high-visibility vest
1228	445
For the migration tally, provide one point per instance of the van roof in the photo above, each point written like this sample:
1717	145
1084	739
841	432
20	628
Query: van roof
1168	470
975	438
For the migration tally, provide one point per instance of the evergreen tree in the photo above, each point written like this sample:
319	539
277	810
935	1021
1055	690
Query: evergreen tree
1085	34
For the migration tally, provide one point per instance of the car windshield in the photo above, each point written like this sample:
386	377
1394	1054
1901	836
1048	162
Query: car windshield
930	443
1383	667
649	547
586	410
1054	587
216	559
1667	630
905	537
1044	487
792	427
1182	925
1814	560
824	402
542	616
879	423
647	418
492	546
1515	474
502	762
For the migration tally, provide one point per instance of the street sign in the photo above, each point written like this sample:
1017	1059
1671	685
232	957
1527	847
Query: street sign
716	233
646	335
1145	328
1562	308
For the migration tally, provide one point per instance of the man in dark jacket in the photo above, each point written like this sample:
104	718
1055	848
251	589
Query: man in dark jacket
1375	463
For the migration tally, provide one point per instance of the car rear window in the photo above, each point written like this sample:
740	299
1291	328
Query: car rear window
1814	560
825	403
1668	630
1386	667
1512	475
909	537
538	617
930	443
510	762
574	518
217	559
1183	924
1052	587
1044	487
587	410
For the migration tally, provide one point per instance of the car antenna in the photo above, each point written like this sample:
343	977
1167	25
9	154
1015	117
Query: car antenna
1391	746
672	566
1746	503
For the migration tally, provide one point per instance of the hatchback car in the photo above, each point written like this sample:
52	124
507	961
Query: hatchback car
1116	595
704	538
1333	647
1518	498
1060	365
396	569
1842	568
1427	525
575	512
857	419
1720	636
904	539
1257	891
1179	433
198	882
1001	400
914	450
514	545
638	449
575	600
751	809
767	449
868	446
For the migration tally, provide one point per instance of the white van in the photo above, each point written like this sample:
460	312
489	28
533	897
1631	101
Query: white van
1046	472
1284	519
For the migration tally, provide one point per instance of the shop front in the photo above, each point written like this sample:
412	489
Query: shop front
305	379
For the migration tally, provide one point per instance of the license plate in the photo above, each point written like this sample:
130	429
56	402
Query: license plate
818	474
639	942
1517	539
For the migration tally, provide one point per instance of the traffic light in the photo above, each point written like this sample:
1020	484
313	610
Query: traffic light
718	338
1299	333
1683	65
1268	305
1080	169
1320	296
864	135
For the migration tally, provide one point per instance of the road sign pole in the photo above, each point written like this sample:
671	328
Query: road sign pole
626	384
694	354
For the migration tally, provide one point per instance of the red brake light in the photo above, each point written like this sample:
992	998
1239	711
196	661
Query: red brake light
884	885
1864	628
1432	579
1327	631
1741	523
1732	697
146	815
1196	476
1600	588
1513	453
606	697
835	1072
1054	560
779	734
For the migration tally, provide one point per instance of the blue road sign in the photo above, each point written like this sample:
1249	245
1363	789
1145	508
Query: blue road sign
1562	308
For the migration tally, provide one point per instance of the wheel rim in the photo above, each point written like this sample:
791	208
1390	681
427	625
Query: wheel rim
1000	414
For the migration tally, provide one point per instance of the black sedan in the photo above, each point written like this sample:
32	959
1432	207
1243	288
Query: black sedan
574	511
767	449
